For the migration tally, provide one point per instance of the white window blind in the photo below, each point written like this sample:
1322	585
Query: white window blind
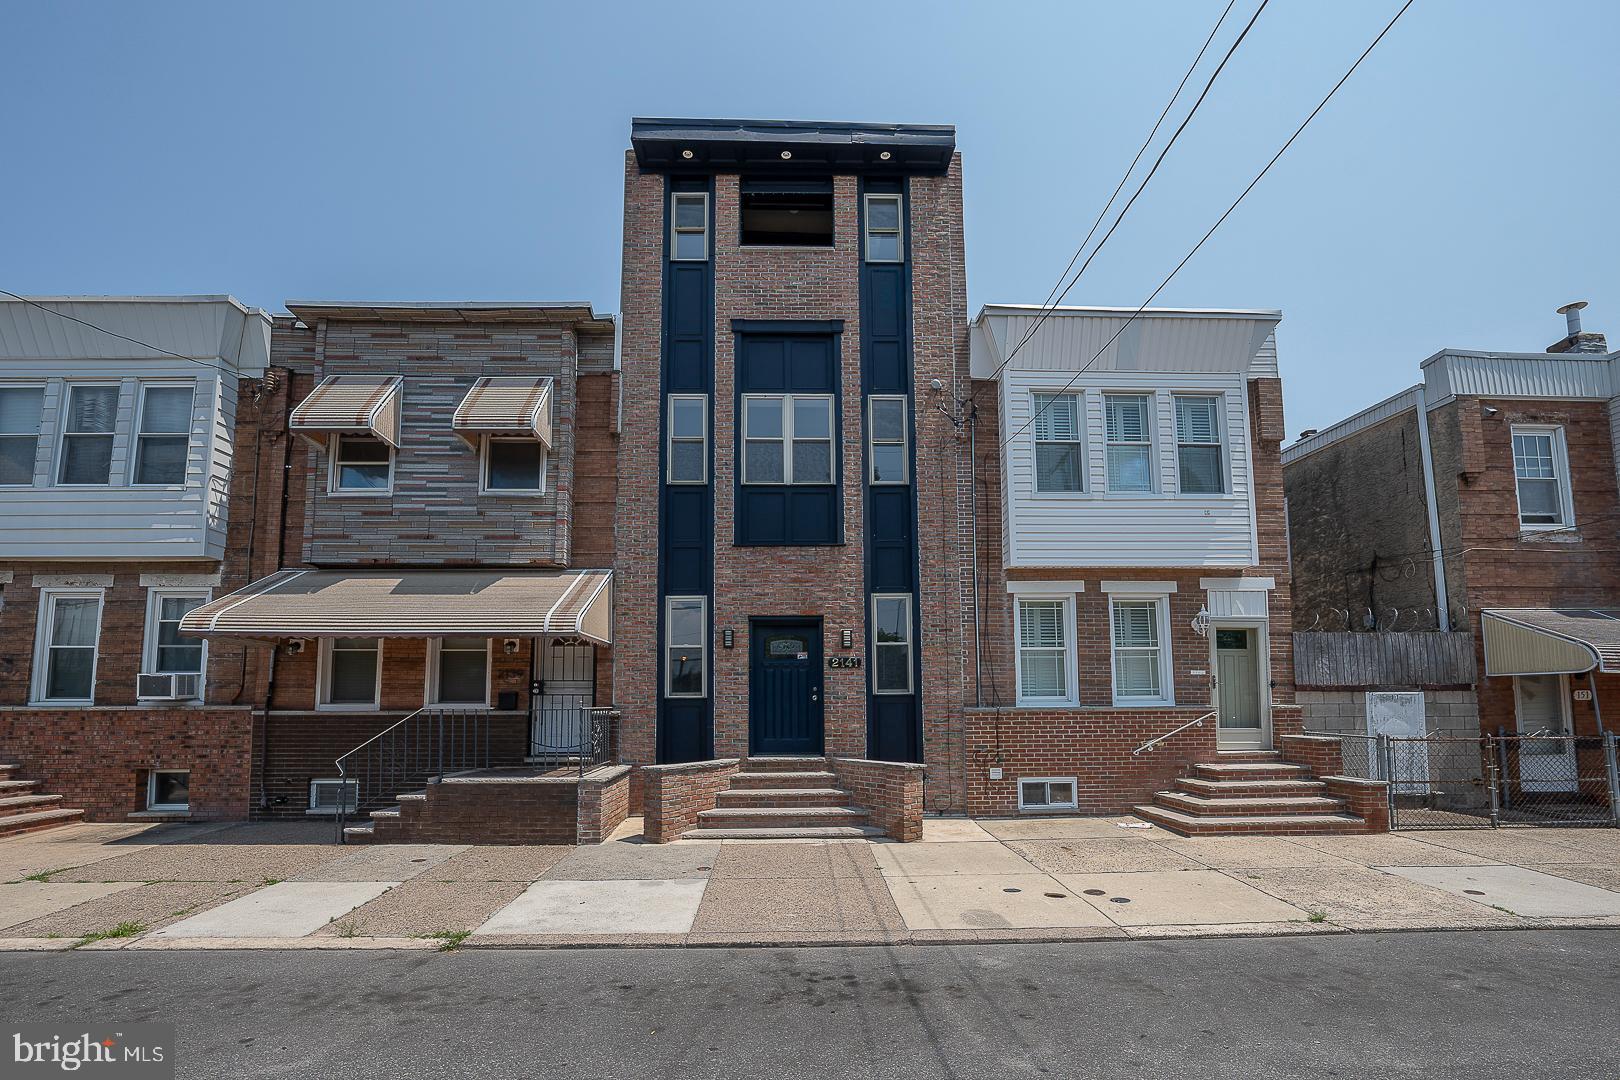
1130	451
1058	454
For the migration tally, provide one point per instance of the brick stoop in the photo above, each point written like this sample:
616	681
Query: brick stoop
502	806
23	809
1251	792
782	798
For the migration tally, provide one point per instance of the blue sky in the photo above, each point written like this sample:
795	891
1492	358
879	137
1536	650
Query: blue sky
1457	190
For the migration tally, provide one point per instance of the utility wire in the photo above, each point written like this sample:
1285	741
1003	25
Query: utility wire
1126	209
1457	553
1129	169
1219	221
110	333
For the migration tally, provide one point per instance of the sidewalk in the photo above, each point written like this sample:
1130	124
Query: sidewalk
279	885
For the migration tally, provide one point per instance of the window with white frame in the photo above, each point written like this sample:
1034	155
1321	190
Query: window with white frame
362	464
167	650
21	408
787	439
514	466
1045	649
689	226
1141	671
1059	454
1200	461
886	430
1047	793
685	648
1130	442
65	655
688	458
168	789
351	673
883	236
163	434
1541	473
325	795
458	671
87	435
891	644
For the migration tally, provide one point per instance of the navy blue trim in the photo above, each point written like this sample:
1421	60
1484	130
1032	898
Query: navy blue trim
787	326
685	511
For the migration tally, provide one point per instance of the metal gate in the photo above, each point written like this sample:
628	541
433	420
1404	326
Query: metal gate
1451	782
559	727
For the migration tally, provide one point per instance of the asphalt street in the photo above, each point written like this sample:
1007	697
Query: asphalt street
1478	1005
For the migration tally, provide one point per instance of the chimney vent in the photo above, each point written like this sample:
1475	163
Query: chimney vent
1576	340
1572	316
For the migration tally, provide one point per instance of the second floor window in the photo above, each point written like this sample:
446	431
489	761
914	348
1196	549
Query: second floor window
886	428
1198	446
1541	475
87	438
688	439
1058	451
164	436
787	439
883	242
1130	442
516	466
362	463
689	226
20	411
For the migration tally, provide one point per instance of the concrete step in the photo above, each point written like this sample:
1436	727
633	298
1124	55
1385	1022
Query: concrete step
1250	770
1217	789
390	813
825	832
783	764
1284	825
1247	755
17	824
8	769
17	787
1247	806
360	834
13	805
782	779
774	796
765	817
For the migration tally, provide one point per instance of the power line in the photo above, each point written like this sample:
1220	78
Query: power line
1129	169
1219	221
1457	553
1126	209
111	333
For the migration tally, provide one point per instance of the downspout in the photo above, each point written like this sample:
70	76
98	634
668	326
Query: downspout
1442	604
973	493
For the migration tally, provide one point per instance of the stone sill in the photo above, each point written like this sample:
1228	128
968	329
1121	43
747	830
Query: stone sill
143	707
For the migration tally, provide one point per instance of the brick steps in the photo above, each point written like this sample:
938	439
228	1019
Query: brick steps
776	798
1247	806
782	779
828	832
1289	825
827	796
781	817
1250	792
24	809
1250	770
1194	786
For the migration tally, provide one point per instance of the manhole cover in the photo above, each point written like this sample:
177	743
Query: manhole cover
1474	892
1058	895
1012	890
1096	892
1119	899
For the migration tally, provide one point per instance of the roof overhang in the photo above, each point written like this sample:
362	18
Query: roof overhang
350	405
707	145
517	406
413	604
1551	641
471	312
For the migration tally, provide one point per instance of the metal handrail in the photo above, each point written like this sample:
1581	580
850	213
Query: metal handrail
417	749
1153	743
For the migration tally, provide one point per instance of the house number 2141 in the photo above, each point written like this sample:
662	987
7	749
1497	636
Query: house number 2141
844	661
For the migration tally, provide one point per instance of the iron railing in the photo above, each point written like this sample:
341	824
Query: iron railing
1153	744
567	733
418	750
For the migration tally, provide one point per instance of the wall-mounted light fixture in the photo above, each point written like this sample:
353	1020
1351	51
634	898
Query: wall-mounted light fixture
726	638
687	154
787	155
847	637
885	156
295	646
510	646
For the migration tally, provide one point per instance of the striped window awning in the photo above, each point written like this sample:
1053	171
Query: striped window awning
413	603
506	405
1551	641
350	405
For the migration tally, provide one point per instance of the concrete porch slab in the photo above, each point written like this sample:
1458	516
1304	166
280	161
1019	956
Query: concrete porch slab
1100	856
384	862
25	901
1058	828
1178	898
612	906
948	830
290	909
990	902
947	860
1520	891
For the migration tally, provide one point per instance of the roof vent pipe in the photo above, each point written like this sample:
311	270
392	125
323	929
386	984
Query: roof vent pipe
1572	316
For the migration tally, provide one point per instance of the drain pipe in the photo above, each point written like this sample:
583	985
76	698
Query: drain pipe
1442	604
973	492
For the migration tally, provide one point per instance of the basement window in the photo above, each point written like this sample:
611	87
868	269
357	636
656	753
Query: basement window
168	789
326	795
787	213
1047	793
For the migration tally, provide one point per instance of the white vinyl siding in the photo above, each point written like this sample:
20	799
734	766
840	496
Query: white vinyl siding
1059	450
1044	528
1128	432
1541	477
1141	651
1045	644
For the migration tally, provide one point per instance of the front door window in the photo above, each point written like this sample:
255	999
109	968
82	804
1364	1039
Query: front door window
1237	687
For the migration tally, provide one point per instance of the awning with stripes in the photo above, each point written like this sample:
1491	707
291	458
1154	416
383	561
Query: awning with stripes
506	405
413	603
350	404
1551	641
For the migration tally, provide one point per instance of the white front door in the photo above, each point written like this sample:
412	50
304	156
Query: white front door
1546	760
1240	690
567	689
